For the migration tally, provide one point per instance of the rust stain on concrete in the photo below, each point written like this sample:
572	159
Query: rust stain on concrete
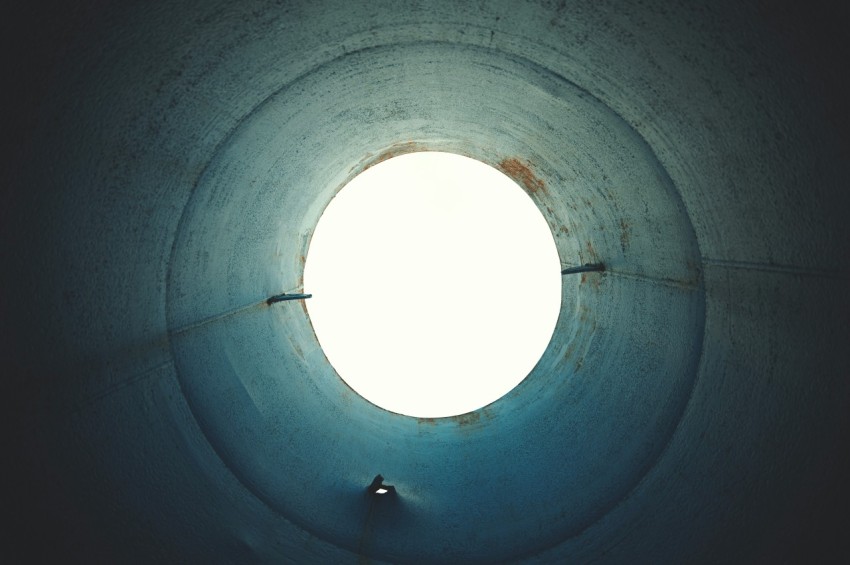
591	252
520	171
467	419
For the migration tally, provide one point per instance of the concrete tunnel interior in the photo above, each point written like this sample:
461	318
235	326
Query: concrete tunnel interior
166	163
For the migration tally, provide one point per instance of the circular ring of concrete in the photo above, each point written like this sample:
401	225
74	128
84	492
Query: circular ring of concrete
627	343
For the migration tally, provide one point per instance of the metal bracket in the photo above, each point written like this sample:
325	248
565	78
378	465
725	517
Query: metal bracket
378	488
586	268
283	297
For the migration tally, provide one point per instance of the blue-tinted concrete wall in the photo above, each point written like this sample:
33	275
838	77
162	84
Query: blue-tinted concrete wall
168	164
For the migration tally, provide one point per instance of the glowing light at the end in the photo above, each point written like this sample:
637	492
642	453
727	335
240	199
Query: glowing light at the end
436	284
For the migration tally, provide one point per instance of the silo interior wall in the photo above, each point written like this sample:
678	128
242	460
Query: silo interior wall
166	164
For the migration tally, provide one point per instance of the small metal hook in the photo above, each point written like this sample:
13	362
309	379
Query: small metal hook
587	267
284	297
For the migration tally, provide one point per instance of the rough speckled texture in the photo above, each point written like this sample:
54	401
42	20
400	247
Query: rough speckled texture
167	164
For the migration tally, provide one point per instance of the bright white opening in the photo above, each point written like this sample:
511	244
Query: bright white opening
381	491
436	284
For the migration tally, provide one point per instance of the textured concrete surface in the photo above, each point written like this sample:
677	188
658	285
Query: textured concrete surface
167	162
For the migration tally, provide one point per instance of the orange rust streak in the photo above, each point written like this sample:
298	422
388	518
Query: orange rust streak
521	172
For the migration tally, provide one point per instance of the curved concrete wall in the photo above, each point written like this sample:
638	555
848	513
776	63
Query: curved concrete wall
171	163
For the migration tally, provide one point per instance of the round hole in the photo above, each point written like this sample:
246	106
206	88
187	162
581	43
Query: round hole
436	284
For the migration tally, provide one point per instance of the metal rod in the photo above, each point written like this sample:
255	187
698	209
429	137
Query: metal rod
587	267
283	297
